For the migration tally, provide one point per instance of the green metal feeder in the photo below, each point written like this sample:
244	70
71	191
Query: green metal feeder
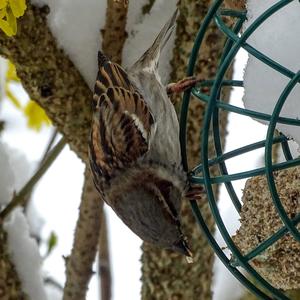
201	174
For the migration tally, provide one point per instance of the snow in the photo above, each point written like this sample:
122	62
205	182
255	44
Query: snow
7	176
35	221
25	255
76	25
134	15
15	170
53	293
277	38
143	31
20	166
24	252
225	286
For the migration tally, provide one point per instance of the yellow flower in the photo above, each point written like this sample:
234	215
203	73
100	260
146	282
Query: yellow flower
8	22
36	116
11	76
9	11
18	7
13	99
11	73
3	3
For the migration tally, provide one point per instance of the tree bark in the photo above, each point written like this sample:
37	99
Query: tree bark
166	275
104	267
293	295
79	264
114	33
50	78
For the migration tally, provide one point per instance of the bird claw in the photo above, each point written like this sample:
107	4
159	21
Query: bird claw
182	85
194	192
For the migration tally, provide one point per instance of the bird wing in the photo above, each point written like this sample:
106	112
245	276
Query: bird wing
122	121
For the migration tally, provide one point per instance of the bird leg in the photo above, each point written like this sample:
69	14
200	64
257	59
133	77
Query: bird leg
181	85
194	192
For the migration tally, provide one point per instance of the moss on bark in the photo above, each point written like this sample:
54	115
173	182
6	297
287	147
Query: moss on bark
50	78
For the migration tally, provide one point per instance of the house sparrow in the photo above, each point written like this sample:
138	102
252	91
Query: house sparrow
134	147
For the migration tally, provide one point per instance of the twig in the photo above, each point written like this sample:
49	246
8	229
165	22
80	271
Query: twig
79	263
104	267
20	197
50	144
43	157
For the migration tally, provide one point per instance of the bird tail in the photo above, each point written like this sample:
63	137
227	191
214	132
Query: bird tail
151	56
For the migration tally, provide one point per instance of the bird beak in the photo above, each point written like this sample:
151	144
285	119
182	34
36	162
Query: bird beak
182	247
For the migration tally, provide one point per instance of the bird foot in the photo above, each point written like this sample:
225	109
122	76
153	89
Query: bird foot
194	192
181	85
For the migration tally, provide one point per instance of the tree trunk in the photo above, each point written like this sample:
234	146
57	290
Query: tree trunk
79	263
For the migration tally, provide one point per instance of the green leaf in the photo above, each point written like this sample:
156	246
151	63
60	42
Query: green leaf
52	242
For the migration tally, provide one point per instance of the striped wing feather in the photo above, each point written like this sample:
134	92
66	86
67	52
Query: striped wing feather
122	122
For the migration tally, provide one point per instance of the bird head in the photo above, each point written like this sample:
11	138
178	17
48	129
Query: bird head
150	207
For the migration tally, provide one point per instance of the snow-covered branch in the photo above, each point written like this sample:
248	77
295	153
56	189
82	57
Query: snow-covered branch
114	34
50	77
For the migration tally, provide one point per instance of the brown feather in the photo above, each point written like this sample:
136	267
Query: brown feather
122	121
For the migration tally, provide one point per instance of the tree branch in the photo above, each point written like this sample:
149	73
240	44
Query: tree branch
20	197
114	34
79	264
104	261
50	78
